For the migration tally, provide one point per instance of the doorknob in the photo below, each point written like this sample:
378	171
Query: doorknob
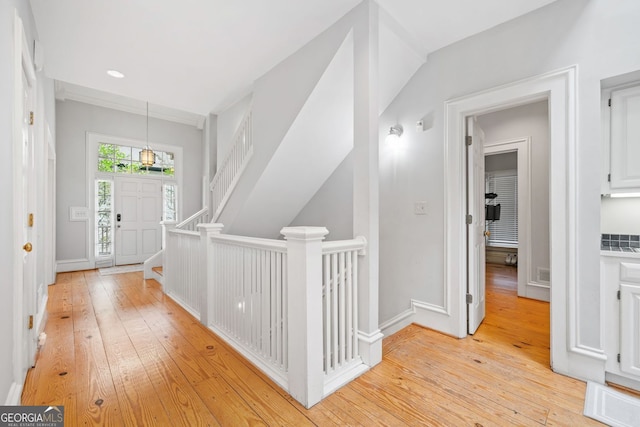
487	233
28	247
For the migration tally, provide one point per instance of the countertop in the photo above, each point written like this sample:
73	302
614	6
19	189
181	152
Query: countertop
618	253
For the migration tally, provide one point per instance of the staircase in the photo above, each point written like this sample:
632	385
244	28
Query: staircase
153	266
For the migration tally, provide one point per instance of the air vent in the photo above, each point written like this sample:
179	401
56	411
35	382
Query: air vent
544	275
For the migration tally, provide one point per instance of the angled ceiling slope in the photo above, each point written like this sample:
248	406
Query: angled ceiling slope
318	140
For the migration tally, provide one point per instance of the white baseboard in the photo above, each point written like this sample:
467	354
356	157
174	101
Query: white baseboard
397	323
65	265
623	381
433	317
14	395
539	291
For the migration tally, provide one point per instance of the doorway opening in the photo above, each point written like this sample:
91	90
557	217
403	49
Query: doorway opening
516	171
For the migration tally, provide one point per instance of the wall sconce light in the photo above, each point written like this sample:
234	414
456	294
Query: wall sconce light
395	132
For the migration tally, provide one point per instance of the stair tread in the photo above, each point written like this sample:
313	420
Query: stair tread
157	270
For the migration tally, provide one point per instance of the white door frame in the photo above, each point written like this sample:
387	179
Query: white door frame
568	355
22	64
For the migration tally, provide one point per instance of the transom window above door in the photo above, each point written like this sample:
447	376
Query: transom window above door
125	159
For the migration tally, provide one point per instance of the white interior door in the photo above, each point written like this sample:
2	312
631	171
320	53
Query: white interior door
476	243
24	218
138	208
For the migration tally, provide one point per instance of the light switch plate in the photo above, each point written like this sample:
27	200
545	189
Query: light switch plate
420	208
78	213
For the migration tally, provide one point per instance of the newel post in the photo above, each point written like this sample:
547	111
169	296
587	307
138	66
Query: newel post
304	305
166	253
205	275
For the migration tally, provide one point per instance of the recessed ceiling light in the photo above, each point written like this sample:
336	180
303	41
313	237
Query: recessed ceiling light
116	74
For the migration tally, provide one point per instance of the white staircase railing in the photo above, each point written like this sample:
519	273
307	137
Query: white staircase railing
231	169
192	222
340	308
248	297
290	307
181	270
158	259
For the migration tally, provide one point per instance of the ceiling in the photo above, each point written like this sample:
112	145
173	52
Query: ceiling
200	56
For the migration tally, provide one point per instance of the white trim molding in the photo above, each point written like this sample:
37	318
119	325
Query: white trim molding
568	354
78	264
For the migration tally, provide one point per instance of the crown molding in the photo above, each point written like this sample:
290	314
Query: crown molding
67	91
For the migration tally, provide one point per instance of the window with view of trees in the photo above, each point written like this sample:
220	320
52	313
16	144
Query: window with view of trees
169	211
123	159
104	217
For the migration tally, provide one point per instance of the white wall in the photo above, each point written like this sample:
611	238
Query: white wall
332	206
74	120
277	99
620	216
599	36
531	121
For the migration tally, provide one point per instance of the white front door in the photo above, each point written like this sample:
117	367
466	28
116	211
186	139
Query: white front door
138	208
476	243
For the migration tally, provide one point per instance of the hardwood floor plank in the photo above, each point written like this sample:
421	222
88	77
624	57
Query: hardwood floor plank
97	401
181	402
226	405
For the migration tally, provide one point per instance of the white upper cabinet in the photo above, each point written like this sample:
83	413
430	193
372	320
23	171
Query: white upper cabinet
625	140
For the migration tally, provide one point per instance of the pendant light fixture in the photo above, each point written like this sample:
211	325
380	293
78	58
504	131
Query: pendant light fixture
147	156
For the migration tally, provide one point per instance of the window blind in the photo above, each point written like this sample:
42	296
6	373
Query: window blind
504	232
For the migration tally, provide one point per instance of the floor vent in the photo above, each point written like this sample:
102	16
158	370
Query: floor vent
610	406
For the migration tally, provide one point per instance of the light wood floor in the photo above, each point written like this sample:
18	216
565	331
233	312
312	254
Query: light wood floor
120	353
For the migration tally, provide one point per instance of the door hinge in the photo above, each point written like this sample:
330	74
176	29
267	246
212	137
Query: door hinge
618	357
609	102
469	219
469	140
469	299
31	321
609	178
30	220
31	117
618	294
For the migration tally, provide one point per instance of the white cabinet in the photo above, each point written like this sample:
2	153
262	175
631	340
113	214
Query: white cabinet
624	168
630	329
621	280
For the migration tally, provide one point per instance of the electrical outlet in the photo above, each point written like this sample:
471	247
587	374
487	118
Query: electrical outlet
420	208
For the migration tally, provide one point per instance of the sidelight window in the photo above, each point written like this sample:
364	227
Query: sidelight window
104	218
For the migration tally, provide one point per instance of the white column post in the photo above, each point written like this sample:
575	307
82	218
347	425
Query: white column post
206	274
365	179
304	305
166	253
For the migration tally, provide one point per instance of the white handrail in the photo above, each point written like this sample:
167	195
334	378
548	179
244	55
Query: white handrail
193	220
232	167
358	244
252	242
